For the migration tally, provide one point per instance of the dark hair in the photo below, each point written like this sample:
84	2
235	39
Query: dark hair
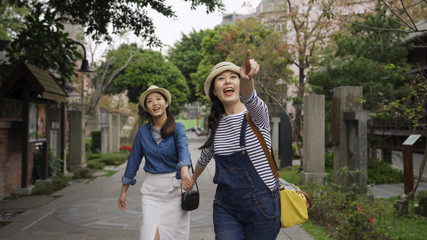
217	110
169	126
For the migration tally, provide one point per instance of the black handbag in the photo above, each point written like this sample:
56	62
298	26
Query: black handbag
190	200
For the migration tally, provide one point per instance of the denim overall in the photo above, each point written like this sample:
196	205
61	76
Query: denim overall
244	207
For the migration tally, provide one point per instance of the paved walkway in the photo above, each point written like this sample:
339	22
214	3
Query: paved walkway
89	211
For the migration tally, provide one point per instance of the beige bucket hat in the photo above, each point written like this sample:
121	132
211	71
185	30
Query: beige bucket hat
151	89
217	69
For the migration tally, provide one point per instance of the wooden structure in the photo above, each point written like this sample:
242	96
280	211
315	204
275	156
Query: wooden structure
36	89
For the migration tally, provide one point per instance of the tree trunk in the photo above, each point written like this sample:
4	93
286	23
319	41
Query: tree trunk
97	117
134	130
301	88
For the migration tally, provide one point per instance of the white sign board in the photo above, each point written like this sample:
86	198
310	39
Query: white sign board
411	139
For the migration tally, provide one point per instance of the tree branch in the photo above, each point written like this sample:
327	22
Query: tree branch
295	131
379	29
395	14
113	76
407	14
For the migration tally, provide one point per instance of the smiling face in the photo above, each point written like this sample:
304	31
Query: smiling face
227	86
156	104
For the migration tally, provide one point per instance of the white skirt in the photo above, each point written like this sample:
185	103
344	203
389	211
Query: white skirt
161	208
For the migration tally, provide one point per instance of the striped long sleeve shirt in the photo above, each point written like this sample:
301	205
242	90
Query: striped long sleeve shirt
227	137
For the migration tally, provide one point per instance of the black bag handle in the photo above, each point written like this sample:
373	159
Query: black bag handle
197	187
176	153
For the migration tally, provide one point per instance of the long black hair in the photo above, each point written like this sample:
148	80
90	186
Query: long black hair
169	126
217	110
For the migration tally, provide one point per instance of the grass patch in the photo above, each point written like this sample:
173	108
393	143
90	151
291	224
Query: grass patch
109	173
291	175
14	196
405	227
315	231
189	123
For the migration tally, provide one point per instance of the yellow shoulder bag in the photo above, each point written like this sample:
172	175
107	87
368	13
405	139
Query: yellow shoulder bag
293	201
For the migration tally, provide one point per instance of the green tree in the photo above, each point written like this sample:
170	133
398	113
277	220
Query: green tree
147	67
412	110
186	55
306	35
375	60
107	73
11	19
97	15
44	43
230	43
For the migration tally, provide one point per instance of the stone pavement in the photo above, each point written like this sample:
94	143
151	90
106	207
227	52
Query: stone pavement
392	190
88	211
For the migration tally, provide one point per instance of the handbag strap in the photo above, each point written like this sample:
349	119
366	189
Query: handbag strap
270	157
261	139
176	152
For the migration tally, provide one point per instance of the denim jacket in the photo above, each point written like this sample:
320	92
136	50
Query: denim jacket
159	158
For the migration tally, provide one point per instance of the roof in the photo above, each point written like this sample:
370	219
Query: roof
39	80
422	27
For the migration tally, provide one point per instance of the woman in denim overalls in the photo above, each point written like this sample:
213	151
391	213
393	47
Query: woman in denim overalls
246	204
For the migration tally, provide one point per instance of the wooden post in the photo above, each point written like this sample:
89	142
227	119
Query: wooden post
25	134
45	160
63	118
408	171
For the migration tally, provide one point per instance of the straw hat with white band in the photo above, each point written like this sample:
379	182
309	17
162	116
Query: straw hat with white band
217	69
151	89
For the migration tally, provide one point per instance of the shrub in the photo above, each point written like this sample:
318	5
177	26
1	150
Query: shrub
88	145
422	203
359	222
82	173
346	215
329	161
95	164
383	173
57	183
53	163
115	159
125	148
92	156
96	141
294	151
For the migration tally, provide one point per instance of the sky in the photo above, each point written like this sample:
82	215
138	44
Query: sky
170	30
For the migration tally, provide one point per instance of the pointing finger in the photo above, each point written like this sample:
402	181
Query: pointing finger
248	58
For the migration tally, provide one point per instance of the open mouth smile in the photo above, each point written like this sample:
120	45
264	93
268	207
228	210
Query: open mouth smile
228	91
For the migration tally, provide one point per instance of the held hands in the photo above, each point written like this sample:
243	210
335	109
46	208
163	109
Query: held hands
249	68
187	182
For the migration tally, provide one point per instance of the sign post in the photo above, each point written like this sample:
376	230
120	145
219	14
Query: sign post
408	171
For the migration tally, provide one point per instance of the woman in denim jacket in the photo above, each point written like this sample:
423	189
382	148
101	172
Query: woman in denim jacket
246	204
163	143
